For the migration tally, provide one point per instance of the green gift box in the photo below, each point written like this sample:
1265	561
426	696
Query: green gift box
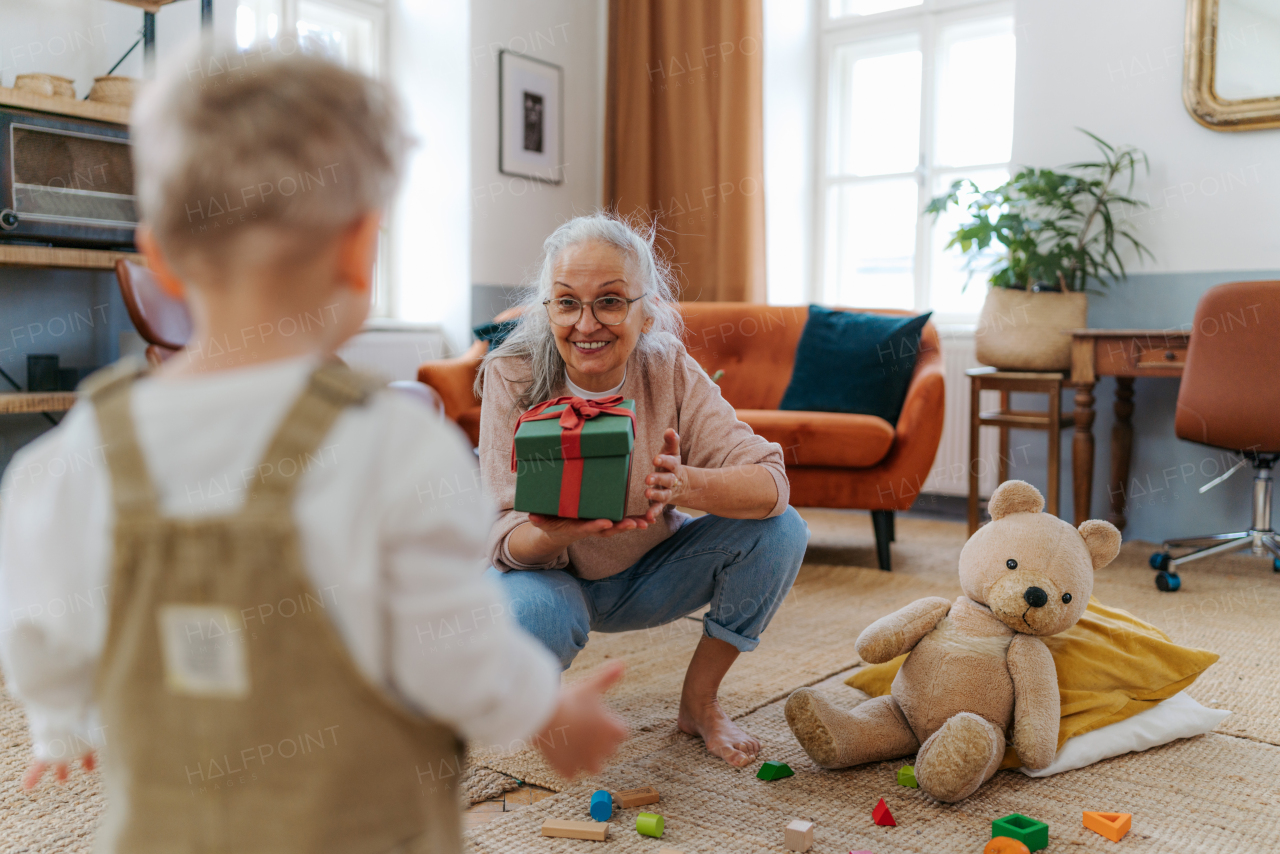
597	465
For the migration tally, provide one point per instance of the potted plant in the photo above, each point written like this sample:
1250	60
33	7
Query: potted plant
1061	234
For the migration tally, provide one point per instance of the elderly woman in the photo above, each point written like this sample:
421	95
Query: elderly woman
602	321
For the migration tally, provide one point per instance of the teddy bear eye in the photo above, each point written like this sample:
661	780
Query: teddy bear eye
1011	563
1066	598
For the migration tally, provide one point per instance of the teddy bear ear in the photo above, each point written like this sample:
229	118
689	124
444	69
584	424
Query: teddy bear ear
1102	539
1014	496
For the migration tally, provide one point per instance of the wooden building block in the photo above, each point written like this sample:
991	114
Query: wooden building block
650	824
1113	825
1005	845
594	830
798	836
601	805
907	777
881	815
629	798
1031	833
771	771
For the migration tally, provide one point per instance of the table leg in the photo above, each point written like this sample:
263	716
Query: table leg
1055	449
1002	467
1082	452
974	414
1121	449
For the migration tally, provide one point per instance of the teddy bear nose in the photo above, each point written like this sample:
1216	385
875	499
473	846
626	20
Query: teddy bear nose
1035	597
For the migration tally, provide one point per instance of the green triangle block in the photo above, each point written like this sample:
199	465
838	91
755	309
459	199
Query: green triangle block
774	771
907	777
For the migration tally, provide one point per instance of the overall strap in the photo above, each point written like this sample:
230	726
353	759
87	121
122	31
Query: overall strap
132	491
331	389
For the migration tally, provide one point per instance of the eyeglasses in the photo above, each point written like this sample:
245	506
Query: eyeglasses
610	310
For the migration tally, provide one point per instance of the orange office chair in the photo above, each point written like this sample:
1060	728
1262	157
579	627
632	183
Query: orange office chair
162	321
1229	399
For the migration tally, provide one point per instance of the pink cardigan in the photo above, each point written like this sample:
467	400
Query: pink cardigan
670	390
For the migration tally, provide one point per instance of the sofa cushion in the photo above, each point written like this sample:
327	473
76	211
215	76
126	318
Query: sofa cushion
855	362
823	438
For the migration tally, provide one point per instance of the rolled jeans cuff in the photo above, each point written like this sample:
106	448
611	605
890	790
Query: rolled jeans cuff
739	642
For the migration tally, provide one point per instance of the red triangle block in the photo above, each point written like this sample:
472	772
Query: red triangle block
882	816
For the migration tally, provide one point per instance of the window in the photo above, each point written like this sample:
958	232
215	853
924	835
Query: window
349	32
916	97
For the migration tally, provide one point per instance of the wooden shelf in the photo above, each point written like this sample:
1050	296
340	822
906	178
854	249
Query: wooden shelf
65	106
58	256
36	401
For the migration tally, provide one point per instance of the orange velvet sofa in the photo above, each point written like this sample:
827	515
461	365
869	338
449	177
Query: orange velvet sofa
833	459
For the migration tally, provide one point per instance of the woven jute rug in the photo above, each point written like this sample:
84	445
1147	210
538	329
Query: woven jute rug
1213	794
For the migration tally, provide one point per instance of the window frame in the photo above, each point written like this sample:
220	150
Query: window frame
926	22
379	12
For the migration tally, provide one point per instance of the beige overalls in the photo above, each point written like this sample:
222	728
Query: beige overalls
236	720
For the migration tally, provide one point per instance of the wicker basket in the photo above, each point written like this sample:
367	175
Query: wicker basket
49	85
114	89
1024	331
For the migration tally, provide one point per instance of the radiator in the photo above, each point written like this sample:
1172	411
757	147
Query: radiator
394	350
950	473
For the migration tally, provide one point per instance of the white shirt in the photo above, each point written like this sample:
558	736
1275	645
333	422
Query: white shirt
392	522
579	391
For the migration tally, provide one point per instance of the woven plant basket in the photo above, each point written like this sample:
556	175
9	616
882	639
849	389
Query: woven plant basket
49	85
1025	331
114	89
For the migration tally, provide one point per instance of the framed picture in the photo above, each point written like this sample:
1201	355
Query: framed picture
530	118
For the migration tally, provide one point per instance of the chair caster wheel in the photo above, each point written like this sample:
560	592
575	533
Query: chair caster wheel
1159	560
1167	582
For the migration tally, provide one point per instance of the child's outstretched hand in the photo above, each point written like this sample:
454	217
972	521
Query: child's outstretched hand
60	770
583	733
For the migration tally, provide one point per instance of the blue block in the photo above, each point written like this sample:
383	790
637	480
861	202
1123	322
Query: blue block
601	805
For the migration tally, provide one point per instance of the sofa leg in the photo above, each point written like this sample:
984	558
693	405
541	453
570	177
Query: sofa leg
882	521
893	530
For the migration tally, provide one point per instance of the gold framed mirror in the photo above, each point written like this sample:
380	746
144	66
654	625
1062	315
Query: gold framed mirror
1231	68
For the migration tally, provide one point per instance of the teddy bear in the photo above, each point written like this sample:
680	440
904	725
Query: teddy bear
977	673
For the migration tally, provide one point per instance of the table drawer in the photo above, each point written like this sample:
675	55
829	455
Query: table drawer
1174	356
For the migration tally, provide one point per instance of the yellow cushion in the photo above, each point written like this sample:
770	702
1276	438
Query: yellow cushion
1111	666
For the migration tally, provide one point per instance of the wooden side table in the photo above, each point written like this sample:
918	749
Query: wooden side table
1052	421
1124	354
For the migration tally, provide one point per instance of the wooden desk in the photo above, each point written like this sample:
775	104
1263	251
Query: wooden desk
1123	354
19	402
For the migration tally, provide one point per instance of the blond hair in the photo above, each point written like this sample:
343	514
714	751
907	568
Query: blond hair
261	155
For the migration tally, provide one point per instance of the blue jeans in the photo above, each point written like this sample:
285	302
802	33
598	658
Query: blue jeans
742	567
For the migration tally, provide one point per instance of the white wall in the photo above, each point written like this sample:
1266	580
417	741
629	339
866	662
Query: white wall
790	68
1116	69
511	216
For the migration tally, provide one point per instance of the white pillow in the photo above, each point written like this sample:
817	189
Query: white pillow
1177	717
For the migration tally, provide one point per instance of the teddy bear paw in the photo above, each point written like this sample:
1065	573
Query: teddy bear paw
959	757
811	716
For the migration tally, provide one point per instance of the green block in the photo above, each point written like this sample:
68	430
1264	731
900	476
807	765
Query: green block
774	771
649	824
907	777
1031	833
607	442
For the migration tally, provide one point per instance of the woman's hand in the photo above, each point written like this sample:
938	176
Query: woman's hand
60	770
566	532
668	481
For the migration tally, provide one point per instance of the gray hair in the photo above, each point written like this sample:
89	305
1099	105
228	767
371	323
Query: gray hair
533	338
267	148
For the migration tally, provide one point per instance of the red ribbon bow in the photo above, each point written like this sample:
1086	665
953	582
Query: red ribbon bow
575	415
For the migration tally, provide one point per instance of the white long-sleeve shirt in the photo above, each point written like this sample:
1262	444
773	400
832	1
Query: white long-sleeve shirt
392	522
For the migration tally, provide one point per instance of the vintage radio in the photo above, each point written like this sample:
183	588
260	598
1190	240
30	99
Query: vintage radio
65	181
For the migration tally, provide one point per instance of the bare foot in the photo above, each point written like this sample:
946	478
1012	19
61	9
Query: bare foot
722	736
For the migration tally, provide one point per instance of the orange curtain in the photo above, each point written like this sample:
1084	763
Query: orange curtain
684	136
